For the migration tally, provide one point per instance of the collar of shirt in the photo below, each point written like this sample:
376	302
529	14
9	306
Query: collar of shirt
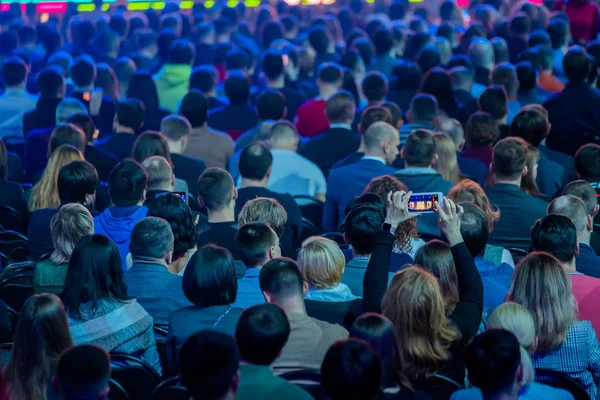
252	273
586	250
342	126
339	292
381	160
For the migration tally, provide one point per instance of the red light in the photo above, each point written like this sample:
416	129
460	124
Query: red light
4	7
462	3
51	7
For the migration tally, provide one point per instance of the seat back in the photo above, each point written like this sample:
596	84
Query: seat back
307	379
16	289
562	381
311	208
14	245
439	387
5	350
308	230
136	376
517	253
117	392
10	219
160	335
169	389
13	316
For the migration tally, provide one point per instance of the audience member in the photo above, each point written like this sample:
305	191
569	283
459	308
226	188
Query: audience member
161	180
421	115
12	193
505	75
480	133
51	84
447	161
204	79
83	372
587	164
15	101
173	79
473	169
129	120
584	191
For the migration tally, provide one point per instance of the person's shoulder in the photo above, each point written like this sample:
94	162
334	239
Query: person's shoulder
538	390
333	331
467	394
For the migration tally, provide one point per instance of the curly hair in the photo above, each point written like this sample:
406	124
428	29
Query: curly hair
179	216
406	230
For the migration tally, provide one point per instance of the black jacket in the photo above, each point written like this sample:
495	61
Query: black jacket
42	116
330	147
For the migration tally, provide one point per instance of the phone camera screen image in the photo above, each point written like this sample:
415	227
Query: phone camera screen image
419	203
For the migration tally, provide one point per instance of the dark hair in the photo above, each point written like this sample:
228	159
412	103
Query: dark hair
253	241
83	71
85	123
474	229
204	78
270	32
481	130
351	370
424	107
126	183
530	125
209	279
539	37
504	74
270	105
177	213
501	53
395	112
181	51
261	333
118	24
576	64
236	59
14	71
83	372
365	48
361	226
76	180
150	144
215	187
383	41
556	235
492	359
584	191
374	86
558	29
494	101
526	76
151	237
429	57
208	362
520	24
272	63
131	113
419	149
49	82
95	273
67	134
438	83
281	278
319	40
587	161
340	107
255	161
194	107
509	158
330	73
237	87
8	42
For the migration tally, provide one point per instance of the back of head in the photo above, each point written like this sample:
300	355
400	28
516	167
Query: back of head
383	41
462	77
83	71
85	123
254	242
127	184
419	149
493	360
559	32
509	158
50	83
318	39
284	135
530	125
573	208
130	113
181	52
270	105
76	181
330	73
159	172
395	112
321	262
281	279
67	133
454	129
374	114
148	144
175	127
67	108
474	229
429	57
494	101
264	209
516	319
237	87
584	191
71	223
378	135
340	107
361	227
204	78
556	235
576	64
209	363
261	333
151	238
194	108
351	370
504	74
423	108
587	162
481	53
526	76
255	161
374	86
83	372
500	46
272	64
14	72
215	188
520	24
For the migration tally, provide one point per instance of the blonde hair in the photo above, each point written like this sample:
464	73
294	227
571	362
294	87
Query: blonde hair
541	285
45	193
263	209
414	304
321	262
470	191
71	223
447	164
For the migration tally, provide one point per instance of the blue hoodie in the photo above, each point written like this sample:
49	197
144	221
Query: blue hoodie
496	281
117	224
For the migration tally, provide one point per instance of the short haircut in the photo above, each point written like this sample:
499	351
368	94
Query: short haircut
159	172
253	241
131	113
175	127
318	39
83	372
282	131
419	149
545	58
530	125
587	161
461	76
558	30
194	108
83	71
85	123
361	226
351	369
504	74
281	278
181	51
330	73
208	362
255	161
272	63
526	76
520	24
494	101
237	87
127	183
76	180
556	235
583	190
215	188
429	57
424	107
383	41
373	114
395	111
264	209
50	82
236	59
576	64
204	78
509	157
340	107
474	229
539	37
492	359
377	134
209	278
67	108
571	207
374	86
14	71
151	237
321	262
261	333
270	105
67	134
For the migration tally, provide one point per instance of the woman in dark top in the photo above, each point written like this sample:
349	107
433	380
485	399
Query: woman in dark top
209	282
12	194
438	83
446	337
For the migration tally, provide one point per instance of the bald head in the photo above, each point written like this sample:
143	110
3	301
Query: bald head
455	130
160	173
573	208
481	53
583	190
382	140
284	136
461	78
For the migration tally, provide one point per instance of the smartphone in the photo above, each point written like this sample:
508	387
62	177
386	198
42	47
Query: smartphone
181	195
424	202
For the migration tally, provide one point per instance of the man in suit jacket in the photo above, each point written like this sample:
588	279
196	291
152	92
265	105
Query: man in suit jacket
573	112
381	142
149	280
339	140
51	85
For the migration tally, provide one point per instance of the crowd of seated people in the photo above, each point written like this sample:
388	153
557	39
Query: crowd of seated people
222	194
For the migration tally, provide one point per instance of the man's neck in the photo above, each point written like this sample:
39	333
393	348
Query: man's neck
124	129
374	154
326	91
584	237
407	165
501	181
147	53
283	146
19	87
148	260
420	122
374	103
569	266
223	215
161	188
292	305
254	183
277	83
356	254
212	93
175	147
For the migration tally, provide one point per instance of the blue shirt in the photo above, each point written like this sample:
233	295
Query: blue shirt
336	294
513	109
496	281
248	292
533	391
587	262
14	103
294	174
